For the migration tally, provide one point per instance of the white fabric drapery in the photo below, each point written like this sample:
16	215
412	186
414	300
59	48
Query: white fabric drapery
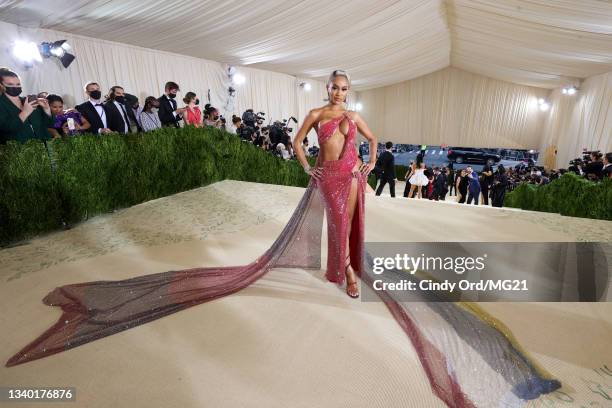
579	121
143	72
540	43
544	43
380	42
456	108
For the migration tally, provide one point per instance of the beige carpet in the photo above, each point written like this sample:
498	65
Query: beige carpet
292	339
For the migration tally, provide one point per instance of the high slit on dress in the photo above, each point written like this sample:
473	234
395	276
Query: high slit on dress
470	358
335	188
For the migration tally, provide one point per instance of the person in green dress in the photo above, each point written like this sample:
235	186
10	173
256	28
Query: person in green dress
21	119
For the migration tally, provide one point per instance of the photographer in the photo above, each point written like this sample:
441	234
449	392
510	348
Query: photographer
251	128
594	167
21	119
279	133
607	168
576	167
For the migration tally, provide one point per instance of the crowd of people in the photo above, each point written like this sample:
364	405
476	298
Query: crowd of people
468	186
45	116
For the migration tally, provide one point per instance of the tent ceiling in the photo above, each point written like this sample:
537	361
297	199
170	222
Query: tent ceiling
543	43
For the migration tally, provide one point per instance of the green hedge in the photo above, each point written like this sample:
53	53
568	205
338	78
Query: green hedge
569	195
94	175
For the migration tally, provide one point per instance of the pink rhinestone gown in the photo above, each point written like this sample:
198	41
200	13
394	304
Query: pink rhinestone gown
335	185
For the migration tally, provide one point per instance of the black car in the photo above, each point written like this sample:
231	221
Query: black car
471	155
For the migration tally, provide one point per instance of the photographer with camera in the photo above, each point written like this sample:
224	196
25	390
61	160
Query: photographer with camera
21	119
594	166
279	133
250	130
575	166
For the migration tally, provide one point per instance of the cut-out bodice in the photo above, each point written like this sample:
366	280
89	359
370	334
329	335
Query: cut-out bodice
327	129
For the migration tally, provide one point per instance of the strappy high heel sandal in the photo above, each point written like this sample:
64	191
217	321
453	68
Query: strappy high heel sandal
349	283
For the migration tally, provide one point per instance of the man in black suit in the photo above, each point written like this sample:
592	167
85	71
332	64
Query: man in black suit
386	162
117	116
133	111
93	110
607	168
169	113
440	187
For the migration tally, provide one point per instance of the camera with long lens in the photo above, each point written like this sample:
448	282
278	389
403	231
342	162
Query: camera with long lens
250	130
279	132
252	119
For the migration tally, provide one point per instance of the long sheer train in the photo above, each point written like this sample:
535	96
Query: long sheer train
470	359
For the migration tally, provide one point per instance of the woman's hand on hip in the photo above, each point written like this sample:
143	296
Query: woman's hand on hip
366	168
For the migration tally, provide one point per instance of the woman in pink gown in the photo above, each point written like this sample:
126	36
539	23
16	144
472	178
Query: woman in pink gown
469	357
341	179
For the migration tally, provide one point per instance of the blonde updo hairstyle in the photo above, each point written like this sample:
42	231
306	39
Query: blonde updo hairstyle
330	82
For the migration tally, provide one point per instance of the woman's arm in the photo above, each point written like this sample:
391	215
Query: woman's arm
363	128
85	123
307	125
54	133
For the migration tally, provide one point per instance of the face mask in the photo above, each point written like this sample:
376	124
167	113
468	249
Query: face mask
95	94
120	99
13	90
197	101
154	109
172	95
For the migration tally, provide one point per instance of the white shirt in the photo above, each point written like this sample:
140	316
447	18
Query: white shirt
100	110
123	113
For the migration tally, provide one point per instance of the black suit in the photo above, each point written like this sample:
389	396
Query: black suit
90	113
166	108
440	187
386	163
607	171
115	118
132	115
595	168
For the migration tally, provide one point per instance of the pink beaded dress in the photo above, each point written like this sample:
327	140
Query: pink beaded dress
470	358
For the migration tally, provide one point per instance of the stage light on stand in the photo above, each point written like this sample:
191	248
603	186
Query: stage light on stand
59	49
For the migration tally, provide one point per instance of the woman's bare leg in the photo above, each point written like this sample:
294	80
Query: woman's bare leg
351	279
411	193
